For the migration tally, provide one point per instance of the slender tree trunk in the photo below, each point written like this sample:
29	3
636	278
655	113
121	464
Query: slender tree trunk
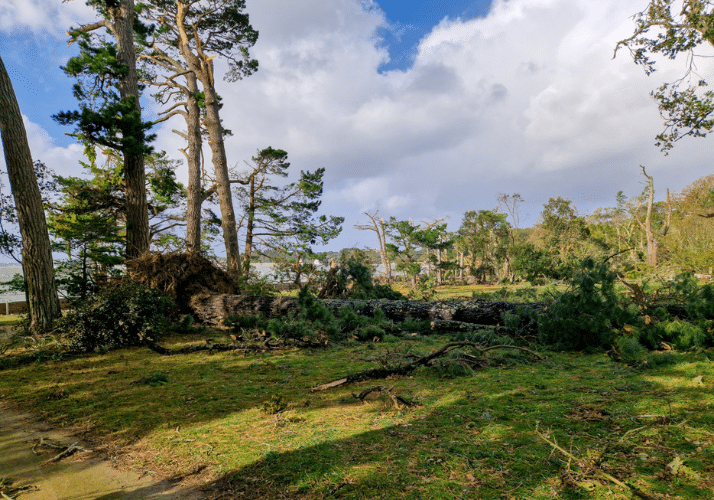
37	266
652	243
202	67
137	211
461	265
378	227
382	237
250	225
193	157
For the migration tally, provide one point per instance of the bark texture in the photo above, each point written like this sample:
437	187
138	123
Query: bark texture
37	265
214	309
193	158
137	212
202	66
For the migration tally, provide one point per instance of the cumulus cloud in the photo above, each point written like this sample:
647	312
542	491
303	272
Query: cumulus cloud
44	17
63	160
526	99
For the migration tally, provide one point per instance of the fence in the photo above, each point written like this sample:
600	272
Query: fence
21	307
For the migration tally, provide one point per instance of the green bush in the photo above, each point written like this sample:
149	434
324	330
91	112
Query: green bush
700	303
314	319
355	281
589	314
117	317
367	333
630	350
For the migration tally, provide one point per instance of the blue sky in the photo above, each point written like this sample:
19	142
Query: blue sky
420	110
410	21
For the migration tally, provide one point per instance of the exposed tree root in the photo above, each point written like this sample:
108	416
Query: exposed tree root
386	371
589	467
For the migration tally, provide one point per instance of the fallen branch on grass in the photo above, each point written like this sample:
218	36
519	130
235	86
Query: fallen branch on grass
387	371
592	468
399	402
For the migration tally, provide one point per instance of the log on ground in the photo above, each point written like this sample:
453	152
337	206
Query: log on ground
216	308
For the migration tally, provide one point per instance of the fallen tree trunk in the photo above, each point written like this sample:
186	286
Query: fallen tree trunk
215	309
388	371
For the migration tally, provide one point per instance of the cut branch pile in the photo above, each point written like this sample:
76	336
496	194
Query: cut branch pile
404	369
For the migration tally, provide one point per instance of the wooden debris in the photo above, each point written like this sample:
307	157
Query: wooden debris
398	401
590	467
386	371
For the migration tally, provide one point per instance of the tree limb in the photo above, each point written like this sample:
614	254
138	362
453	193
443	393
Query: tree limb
597	471
384	372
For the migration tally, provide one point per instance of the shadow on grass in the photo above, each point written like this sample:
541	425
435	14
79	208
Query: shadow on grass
481	444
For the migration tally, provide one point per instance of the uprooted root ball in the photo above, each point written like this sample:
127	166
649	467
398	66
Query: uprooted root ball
180	275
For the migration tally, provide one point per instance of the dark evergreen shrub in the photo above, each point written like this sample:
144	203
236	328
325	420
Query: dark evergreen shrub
589	315
355	280
121	316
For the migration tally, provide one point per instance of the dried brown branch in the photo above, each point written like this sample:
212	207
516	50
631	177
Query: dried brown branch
596	471
386	371
398	401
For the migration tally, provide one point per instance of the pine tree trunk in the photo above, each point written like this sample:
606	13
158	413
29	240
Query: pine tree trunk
193	157
137	212
202	67
250	224
37	265
214	309
225	197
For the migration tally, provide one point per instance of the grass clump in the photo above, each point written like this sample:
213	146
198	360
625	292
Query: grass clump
155	379
275	404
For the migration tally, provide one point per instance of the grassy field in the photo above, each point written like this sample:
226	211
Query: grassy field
251	419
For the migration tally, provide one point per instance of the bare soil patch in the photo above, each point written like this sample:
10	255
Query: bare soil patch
28	471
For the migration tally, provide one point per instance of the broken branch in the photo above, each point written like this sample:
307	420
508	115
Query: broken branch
598	472
384	372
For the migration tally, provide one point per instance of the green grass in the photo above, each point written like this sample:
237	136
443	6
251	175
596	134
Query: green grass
470	437
11	319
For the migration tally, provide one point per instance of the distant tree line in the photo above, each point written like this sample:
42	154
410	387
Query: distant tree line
633	236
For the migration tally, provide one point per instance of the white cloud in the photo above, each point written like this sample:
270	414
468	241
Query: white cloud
63	160
527	99
44	17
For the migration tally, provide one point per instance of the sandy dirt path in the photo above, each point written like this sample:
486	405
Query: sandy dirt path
78	477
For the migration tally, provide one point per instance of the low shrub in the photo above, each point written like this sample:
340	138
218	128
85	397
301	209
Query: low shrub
314	319
589	314
630	350
120	316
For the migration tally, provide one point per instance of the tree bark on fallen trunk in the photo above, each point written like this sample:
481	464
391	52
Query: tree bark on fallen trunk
215	309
